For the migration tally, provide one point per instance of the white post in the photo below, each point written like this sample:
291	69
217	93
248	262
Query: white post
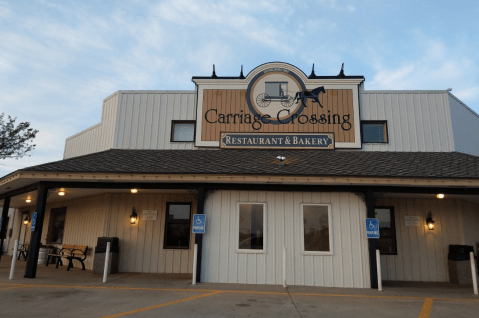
14	259
378	264
107	261
195	254
473	269
284	266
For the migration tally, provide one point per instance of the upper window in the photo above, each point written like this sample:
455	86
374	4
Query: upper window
317	238
251	222
57	225
386	243
374	131
177	225
182	131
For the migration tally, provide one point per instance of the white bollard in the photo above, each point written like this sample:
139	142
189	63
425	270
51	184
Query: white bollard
284	266
378	264
14	259
107	261
195	255
473	269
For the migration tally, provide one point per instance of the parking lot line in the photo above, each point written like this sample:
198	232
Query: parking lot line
15	287
161	305
426	308
243	291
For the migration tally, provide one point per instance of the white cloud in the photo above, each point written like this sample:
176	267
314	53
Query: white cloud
468	94
59	60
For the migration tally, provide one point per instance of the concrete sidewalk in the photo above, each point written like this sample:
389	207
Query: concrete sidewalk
77	293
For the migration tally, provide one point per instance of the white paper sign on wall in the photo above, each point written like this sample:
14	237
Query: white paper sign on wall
150	215
412	220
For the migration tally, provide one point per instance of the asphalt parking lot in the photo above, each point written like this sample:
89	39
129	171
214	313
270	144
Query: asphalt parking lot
58	293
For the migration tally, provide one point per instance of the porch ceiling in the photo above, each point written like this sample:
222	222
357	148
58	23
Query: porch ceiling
74	193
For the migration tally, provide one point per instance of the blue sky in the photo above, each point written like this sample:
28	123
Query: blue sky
60	59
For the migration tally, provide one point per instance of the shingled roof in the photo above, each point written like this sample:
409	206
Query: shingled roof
264	162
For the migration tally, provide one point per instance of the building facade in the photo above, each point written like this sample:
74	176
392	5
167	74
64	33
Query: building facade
286	167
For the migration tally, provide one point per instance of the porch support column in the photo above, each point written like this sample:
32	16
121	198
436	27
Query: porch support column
3	229
36	235
373	269
200	209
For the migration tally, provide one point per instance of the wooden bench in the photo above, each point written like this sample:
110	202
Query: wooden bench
23	251
70	252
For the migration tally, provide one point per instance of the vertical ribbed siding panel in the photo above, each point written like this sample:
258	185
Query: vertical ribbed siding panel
417	121
422	254
81	224
145	118
98	137
275	249
463	121
141	246
348	267
224	243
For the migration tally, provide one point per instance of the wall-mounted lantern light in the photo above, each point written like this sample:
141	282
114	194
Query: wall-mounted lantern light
133	216
26	219
440	196
134	190
28	200
430	222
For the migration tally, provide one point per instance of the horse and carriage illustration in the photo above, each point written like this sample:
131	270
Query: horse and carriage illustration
278	91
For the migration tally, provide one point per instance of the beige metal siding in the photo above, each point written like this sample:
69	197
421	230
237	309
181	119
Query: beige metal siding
470	219
464	125
348	267
83	223
98	137
417	120
422	254
144	118
141	246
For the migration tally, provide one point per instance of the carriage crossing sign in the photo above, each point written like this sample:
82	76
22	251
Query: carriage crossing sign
277	99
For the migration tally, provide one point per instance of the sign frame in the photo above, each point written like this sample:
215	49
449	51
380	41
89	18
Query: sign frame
282	136
412	220
34	221
205	83
150	215
372	228
199	219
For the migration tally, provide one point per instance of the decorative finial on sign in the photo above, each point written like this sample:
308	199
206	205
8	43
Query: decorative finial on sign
241	74
312	75
341	73
214	73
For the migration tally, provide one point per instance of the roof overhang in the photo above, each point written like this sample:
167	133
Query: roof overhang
27	179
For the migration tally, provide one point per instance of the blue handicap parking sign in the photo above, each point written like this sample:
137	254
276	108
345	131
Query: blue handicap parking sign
199	223
372	228
34	221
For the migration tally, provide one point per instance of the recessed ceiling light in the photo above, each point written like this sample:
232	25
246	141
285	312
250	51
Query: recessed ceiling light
440	196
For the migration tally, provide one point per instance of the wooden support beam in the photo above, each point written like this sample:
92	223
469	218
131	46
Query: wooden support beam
36	235
200	209
372	243
3	228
